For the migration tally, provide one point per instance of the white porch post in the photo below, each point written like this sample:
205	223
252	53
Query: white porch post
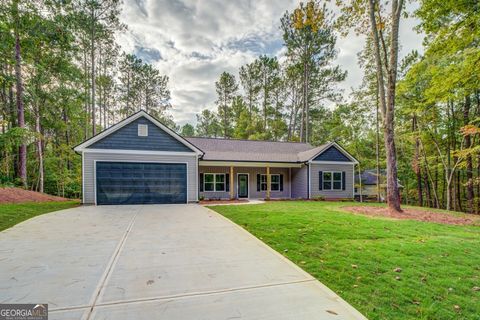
232	192
268	182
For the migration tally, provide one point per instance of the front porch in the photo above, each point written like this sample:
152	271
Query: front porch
220	180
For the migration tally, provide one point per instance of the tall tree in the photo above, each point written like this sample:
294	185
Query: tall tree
100	20
310	41
226	88
372	17
17	29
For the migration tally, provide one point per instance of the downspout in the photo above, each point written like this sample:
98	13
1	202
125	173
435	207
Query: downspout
308	179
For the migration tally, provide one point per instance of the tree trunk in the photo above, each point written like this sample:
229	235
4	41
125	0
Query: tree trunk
416	162
469	184
377	145
39	149
92	62
387	99
459	192
22	152
428	197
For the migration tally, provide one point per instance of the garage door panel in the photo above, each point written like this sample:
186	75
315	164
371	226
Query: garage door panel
141	183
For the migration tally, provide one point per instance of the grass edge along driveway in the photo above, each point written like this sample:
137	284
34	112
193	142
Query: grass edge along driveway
14	213
387	269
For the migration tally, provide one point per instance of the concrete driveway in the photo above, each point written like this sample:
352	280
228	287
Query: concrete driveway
155	262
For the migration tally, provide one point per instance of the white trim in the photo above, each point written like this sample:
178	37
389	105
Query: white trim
121	124
332	162
215	182
196	181
205	163
332	181
309	182
137	161
248	185
345	153
143	152
353	181
290	181
142	130
83	179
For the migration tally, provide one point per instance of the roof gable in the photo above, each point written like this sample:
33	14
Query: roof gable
127	138
334	153
124	136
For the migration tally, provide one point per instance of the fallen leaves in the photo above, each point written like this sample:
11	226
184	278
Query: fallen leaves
397	269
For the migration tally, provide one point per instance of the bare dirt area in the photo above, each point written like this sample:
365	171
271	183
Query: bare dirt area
17	195
416	214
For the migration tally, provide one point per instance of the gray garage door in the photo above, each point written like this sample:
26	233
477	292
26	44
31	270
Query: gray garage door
141	183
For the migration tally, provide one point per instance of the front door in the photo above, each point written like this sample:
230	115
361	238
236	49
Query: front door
242	185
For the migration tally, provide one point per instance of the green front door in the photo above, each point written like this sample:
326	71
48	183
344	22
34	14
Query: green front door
242	185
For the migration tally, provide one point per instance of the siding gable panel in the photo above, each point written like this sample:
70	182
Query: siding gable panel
332	154
126	138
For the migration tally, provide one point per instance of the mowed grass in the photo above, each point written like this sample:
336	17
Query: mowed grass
356	255
11	214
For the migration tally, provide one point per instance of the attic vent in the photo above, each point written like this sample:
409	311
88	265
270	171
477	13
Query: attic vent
143	130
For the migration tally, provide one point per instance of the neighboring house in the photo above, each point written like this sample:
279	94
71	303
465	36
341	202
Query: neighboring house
139	160
368	185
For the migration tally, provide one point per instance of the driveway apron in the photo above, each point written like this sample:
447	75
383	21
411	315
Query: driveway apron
155	261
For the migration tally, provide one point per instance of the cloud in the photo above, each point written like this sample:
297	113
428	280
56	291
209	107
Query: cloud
194	41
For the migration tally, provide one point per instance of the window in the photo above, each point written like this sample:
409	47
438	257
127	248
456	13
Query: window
263	182
327	180
337	181
274	183
332	180
143	130
214	181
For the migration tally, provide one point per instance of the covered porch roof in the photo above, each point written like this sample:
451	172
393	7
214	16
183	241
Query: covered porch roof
254	164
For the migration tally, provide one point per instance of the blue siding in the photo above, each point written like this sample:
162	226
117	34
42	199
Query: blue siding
127	138
332	154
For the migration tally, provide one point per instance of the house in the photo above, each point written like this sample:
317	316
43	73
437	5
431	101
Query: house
140	161
367	189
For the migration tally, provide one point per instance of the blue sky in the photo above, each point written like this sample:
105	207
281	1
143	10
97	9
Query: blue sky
194	41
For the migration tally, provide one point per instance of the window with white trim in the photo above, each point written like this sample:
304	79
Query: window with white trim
143	130
332	180
214	182
274	182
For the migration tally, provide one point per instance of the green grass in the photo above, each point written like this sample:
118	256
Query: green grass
11	214
356	256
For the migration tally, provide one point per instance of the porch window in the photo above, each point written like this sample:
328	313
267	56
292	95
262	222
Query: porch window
274	183
214	182
263	182
332	180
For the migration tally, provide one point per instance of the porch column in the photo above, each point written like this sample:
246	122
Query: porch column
232	192
268	182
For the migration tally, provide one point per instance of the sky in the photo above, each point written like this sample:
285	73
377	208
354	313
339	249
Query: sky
194	41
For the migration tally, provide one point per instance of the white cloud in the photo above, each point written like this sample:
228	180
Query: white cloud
194	41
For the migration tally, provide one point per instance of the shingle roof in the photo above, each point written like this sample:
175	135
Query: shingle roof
369	177
252	150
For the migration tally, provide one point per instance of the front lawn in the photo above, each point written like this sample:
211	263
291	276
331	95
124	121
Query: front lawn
387	269
13	213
